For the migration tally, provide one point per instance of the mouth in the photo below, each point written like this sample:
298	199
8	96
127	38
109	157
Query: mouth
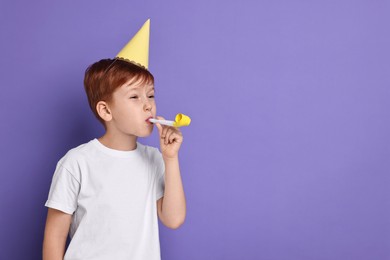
147	120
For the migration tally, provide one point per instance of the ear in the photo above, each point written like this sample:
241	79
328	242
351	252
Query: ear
103	110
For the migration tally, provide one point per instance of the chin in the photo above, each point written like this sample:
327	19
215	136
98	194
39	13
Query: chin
145	134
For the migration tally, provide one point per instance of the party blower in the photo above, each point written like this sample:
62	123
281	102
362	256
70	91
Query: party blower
180	120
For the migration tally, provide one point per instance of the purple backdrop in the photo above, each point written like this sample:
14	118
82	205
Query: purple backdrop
288	153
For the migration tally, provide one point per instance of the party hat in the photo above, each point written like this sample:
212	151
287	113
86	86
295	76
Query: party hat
137	49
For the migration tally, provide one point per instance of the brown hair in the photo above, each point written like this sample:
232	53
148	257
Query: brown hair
103	77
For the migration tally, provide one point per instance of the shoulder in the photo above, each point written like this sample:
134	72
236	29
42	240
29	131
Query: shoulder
74	158
75	154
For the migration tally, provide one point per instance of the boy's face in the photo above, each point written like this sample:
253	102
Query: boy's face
131	106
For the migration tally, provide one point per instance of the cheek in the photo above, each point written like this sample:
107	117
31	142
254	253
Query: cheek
126	113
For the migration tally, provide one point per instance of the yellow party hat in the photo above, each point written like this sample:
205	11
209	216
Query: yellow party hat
137	49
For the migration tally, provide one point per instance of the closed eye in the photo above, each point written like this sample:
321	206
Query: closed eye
137	97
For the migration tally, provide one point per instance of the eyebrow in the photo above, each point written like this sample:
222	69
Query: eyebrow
136	88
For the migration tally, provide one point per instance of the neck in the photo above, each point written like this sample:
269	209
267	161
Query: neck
118	141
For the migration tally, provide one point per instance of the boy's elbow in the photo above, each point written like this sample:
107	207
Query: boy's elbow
175	224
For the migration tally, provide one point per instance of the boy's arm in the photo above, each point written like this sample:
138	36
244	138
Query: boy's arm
172	207
56	233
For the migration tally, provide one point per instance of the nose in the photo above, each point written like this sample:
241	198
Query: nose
147	105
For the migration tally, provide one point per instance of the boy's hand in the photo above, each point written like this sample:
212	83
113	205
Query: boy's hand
171	139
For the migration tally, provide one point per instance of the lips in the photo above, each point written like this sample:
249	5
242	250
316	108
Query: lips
147	119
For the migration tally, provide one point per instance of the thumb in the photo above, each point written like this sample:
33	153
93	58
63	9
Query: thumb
159	126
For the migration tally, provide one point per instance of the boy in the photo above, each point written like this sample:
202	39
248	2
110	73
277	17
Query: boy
108	192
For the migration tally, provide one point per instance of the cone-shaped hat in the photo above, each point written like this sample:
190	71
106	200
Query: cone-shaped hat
137	49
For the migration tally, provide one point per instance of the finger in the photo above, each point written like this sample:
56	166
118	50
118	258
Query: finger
159	127
162	127
168	136
176	136
165	131
160	118
172	137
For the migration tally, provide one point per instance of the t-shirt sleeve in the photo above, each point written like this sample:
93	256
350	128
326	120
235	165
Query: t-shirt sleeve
64	190
160	175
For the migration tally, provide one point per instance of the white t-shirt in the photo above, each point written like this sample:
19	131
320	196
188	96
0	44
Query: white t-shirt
112	195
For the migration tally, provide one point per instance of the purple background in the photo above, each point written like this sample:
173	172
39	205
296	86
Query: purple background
288	153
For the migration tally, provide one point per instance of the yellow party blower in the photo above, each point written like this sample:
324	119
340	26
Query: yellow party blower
180	120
